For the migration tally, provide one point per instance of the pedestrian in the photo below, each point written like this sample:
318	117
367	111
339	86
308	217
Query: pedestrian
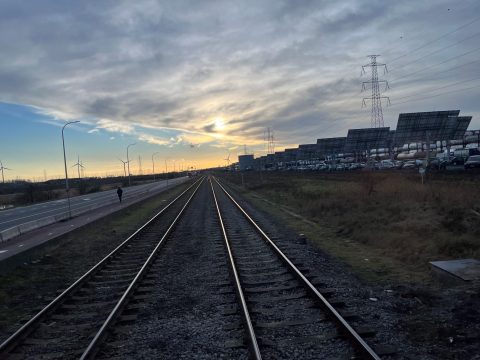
119	193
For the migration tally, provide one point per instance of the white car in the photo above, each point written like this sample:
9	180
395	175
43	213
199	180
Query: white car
472	162
386	164
411	164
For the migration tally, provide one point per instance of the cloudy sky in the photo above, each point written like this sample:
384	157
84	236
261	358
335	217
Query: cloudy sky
195	80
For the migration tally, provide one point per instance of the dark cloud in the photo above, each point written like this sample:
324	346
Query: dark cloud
291	65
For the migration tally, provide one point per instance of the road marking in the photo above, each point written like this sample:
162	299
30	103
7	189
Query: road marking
50	234
3	251
86	199
20	245
135	191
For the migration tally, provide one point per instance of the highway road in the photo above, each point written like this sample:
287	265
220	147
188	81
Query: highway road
13	217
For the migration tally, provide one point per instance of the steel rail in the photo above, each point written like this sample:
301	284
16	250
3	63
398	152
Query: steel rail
92	348
345	327
23	331
238	286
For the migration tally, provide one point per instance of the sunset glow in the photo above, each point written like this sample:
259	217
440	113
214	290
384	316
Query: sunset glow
193	80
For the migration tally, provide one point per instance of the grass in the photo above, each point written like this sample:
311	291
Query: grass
31	279
387	226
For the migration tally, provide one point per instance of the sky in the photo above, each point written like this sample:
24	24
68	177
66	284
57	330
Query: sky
193	82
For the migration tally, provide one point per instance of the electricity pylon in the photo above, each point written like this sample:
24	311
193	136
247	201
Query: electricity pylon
376	98
269	141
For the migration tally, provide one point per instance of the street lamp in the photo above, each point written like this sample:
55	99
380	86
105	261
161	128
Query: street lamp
153	165
128	164
166	171
66	173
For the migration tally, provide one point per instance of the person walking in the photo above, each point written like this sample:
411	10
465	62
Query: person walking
119	193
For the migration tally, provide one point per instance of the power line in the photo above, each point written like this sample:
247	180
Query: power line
442	87
436	95
436	51
443	62
435	40
404	102
447	70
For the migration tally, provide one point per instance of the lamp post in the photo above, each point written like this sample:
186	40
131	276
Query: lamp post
128	164
65	164
153	165
166	171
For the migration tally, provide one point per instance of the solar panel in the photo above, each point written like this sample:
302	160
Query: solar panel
436	125
462	126
279	156
330	146
365	139
307	151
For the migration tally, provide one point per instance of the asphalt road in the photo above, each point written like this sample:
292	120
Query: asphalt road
17	216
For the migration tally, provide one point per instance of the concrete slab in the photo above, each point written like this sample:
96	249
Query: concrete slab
464	269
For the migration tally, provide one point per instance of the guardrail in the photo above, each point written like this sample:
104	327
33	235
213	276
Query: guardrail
14	231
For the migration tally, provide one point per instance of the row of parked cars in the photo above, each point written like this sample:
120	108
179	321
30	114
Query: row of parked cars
435	163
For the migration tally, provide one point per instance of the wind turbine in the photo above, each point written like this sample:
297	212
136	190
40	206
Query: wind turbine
3	168
124	169
78	165
228	160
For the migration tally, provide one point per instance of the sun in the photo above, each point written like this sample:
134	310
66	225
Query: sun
219	124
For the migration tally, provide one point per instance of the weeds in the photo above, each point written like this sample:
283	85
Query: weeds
392	212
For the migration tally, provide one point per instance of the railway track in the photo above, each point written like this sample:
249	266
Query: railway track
75	322
285	316
220	285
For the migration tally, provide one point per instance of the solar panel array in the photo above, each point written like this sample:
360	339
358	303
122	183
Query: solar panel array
307	151
411	127
432	125
330	146
359	140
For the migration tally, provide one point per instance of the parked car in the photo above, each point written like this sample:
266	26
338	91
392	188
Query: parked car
410	164
472	162
434	164
457	160
386	164
461	155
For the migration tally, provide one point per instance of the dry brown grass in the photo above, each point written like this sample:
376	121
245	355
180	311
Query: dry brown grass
392	213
